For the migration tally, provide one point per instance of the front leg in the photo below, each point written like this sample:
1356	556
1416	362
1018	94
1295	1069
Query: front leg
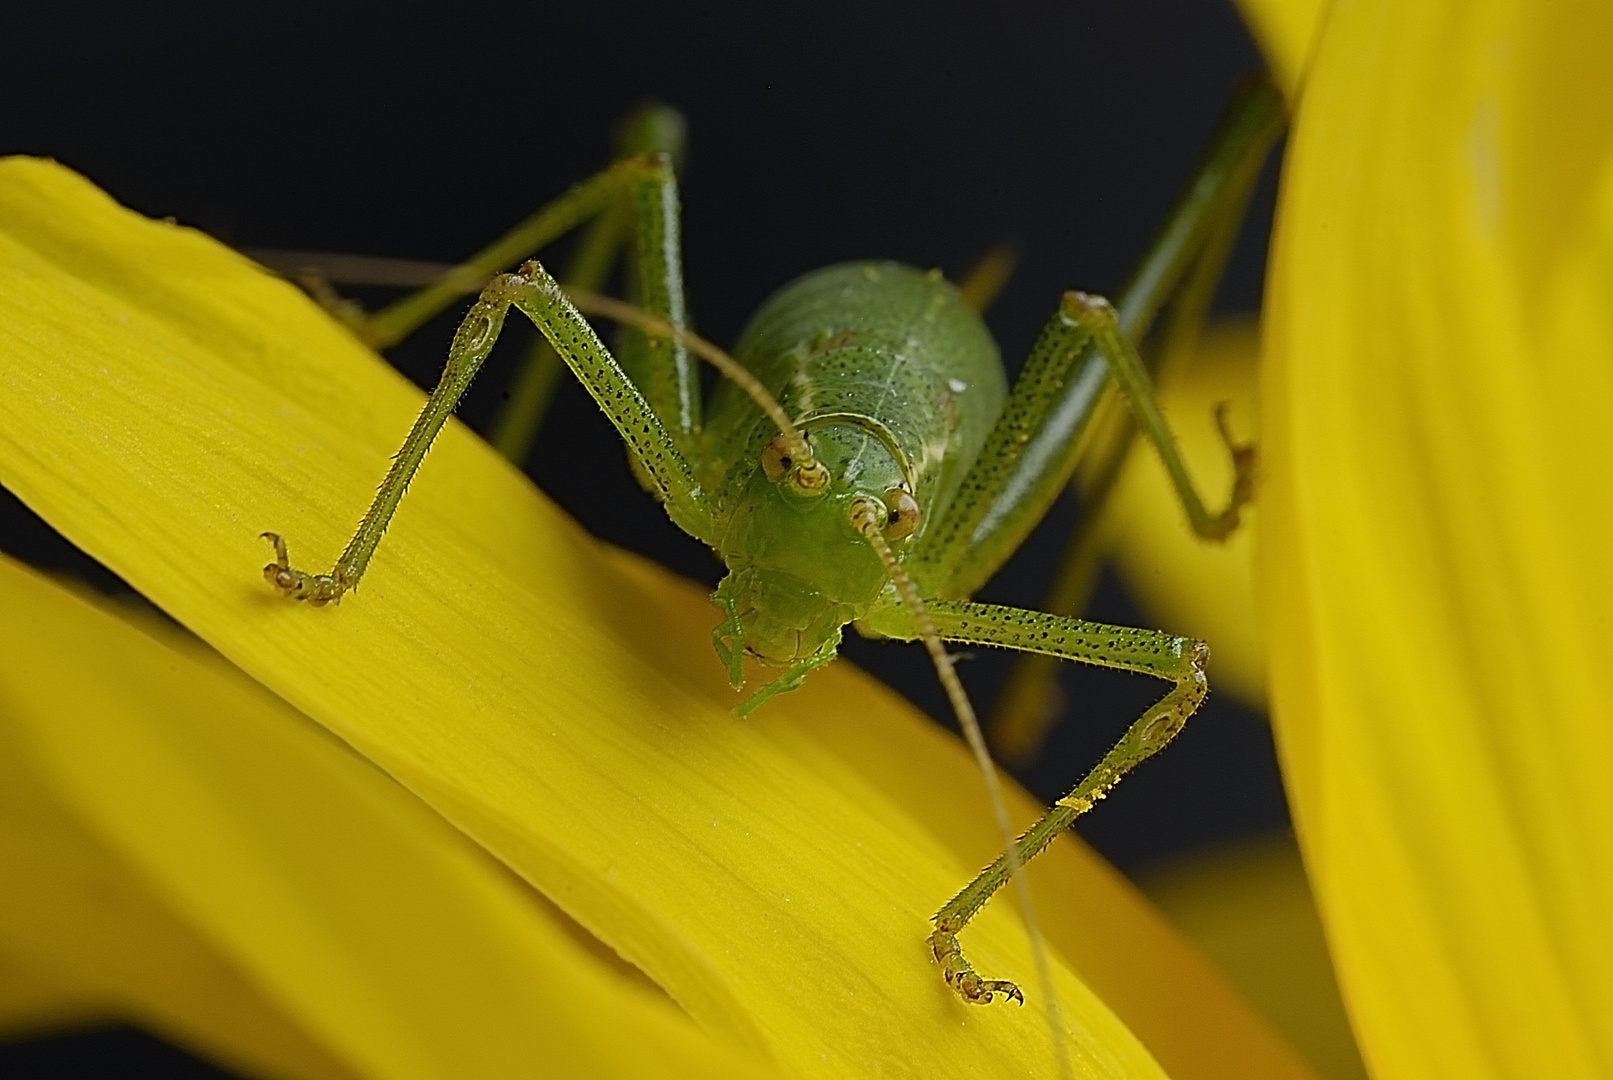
1178	660
540	298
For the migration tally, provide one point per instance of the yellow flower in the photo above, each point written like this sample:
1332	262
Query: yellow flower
1436	515
182	848
1437	386
532	699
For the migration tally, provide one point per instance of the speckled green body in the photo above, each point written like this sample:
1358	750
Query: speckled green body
920	475
896	383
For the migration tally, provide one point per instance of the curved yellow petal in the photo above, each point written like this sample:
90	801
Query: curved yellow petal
380	932
1248	905
164	403
75	912
1436	522
1182	583
1286	31
1138	963
36	1001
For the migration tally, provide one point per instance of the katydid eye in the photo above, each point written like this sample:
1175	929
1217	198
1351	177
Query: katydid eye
807	477
776	459
902	515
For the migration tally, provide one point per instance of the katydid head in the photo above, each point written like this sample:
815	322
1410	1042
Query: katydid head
800	565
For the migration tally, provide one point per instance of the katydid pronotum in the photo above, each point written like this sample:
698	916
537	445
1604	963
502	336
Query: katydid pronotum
862	460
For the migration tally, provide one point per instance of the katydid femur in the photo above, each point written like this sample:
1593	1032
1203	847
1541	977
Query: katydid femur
862	461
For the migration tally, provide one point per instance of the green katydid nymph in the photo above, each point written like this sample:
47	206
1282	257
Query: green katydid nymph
862	461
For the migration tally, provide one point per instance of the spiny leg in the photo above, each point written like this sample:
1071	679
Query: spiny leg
980	509
1034	449
1098	316
1177	660
317	589
645	211
515	426
582	202
1029	702
661	365
936	560
541	299
872	518
645	186
648	133
1028	705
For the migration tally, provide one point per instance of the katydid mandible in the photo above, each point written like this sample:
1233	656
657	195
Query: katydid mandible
863	460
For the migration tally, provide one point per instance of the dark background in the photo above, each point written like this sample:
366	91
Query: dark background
925	132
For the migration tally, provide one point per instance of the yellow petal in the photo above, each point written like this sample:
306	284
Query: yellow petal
1137	962
91	925
164	403
34	1002
1183	584
1286	31
365	921
1436	522
1249	907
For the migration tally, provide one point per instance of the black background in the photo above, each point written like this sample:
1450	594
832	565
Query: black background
925	132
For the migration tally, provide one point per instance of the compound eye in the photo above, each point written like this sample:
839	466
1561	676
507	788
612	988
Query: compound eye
776	459
807	476
902	514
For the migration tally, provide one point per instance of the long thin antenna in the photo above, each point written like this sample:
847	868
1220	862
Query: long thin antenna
322	268
868	517
592	303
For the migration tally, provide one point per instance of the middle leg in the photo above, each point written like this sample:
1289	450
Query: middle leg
1037	442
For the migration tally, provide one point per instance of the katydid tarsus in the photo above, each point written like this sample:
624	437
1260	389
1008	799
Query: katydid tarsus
862	461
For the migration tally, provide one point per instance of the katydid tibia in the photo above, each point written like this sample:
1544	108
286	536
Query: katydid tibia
863	460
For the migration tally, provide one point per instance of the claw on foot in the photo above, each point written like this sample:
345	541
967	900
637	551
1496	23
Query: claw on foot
1244	458
295	584
960	976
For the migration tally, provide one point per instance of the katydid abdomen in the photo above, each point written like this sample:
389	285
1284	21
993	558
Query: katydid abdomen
896	383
